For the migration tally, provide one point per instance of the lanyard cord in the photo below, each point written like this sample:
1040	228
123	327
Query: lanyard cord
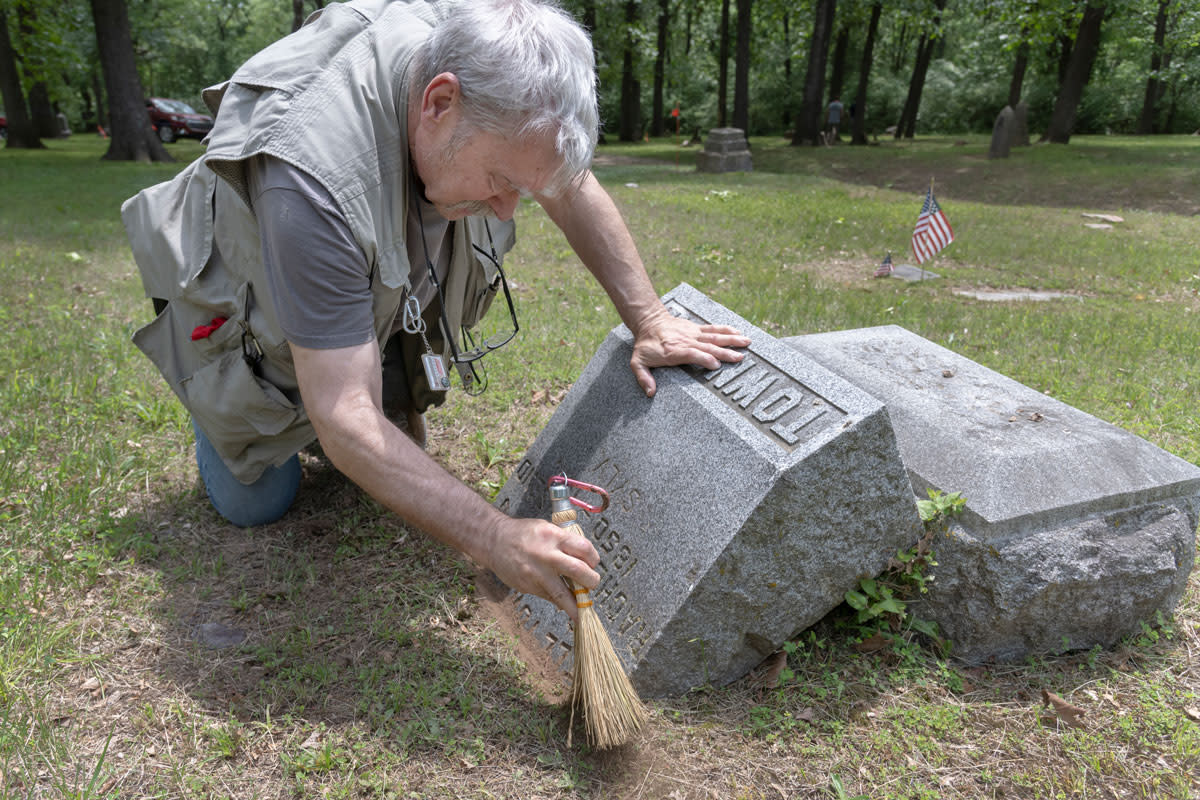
437	284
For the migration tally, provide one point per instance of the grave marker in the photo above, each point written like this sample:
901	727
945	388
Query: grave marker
1075	531
745	502
725	150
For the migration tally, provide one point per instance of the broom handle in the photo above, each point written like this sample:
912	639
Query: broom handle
565	519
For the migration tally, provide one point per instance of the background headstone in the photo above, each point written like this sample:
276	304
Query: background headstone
1002	134
725	150
745	502
1074	532
1020	126
911	273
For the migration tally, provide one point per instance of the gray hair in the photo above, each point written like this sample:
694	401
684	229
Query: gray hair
525	70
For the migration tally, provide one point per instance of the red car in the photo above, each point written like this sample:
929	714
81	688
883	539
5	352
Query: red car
3	126
174	118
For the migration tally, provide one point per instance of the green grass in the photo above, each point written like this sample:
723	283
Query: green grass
374	669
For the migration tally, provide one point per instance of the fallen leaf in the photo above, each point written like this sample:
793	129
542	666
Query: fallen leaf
91	684
1193	714
1036	416
313	741
540	396
766	675
873	643
1069	714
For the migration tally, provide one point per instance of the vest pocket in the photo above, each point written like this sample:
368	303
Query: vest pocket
233	406
239	411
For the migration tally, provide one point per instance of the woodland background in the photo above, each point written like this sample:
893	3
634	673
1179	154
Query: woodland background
767	66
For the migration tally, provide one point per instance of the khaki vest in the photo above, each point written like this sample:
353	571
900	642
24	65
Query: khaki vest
330	99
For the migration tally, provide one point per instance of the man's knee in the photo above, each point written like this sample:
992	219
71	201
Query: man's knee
246	505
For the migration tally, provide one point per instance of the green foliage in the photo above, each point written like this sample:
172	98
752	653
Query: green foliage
839	791
874	602
940	506
881	603
182	46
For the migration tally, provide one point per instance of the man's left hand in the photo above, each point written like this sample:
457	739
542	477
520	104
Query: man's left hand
670	341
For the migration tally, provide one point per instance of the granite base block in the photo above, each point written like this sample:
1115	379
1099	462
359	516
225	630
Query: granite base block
1075	531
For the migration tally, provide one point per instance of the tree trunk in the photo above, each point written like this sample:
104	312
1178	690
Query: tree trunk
660	67
787	70
723	66
916	85
859	135
787	50
102	120
41	111
132	136
20	126
837	76
297	14
808	121
629	124
900	47
741	73
1146	123
907	127
687	30
1065	45
1083	55
1020	64
32	63
588	18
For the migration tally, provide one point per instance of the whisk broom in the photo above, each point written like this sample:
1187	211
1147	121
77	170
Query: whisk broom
612	711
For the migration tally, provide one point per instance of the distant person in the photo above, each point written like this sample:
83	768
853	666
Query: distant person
835	119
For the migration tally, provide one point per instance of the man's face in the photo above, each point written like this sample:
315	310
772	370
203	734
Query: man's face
467	173
486	174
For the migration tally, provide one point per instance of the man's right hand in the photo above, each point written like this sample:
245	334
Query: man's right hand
529	555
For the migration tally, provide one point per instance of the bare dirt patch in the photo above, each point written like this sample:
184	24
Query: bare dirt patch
543	674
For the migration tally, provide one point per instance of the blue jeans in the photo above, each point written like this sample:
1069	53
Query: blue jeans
259	503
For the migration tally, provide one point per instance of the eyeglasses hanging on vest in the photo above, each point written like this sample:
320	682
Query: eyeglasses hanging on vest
467	362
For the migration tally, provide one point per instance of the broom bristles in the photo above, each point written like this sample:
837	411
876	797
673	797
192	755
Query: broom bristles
612	710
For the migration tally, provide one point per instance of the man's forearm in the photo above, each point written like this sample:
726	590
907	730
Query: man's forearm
389	466
598	235
342	393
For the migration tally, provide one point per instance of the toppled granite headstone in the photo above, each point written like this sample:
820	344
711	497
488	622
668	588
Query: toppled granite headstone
1074	532
725	150
745	502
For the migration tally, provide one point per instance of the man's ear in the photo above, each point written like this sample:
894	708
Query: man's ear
441	96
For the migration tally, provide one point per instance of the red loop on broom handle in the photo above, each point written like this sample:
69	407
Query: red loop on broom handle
587	487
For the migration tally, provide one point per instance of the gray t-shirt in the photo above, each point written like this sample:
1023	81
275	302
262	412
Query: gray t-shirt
316	272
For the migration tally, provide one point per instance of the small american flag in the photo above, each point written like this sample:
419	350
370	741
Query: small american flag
933	230
885	268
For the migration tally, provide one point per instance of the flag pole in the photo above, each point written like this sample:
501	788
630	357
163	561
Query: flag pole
922	264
